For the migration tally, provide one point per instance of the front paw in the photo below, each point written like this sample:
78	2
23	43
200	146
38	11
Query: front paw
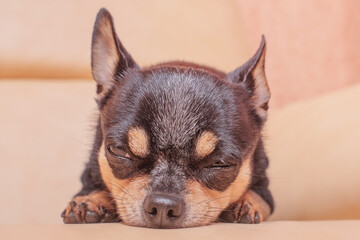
250	208
93	208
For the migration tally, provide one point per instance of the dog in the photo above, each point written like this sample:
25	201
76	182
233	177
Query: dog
177	144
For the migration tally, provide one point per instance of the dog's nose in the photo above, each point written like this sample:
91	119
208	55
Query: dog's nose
163	210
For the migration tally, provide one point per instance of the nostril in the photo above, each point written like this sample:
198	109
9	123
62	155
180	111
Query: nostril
153	212
171	214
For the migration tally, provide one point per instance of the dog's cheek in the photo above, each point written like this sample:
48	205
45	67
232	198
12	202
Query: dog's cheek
128	194
130	200
203	205
242	181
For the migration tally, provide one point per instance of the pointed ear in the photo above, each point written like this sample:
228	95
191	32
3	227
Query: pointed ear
109	58
251	76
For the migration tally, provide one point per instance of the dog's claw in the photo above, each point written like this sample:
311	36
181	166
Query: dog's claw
245	219
245	208
83	205
92	217
72	204
256	217
102	210
63	214
108	218
71	218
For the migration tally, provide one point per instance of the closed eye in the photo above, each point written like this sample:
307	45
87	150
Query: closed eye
117	152
219	165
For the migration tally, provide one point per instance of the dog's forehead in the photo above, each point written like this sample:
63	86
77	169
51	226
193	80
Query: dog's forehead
173	106
178	104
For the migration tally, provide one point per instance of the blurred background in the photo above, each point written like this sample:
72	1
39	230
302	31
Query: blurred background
46	92
313	45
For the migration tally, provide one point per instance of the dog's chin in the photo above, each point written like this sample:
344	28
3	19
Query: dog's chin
180	225
188	221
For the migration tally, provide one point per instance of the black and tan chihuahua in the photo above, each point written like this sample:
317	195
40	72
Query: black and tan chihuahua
177	144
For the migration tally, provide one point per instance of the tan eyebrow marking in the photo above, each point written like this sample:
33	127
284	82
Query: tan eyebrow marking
205	144
138	141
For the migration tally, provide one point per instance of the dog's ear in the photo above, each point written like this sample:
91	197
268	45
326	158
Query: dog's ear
109	58
251	76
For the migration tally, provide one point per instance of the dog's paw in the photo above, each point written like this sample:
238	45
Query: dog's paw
248	212
250	208
93	208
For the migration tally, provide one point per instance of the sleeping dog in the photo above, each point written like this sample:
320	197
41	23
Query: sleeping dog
177	144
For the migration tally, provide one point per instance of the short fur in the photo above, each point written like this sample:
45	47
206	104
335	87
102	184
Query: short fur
188	131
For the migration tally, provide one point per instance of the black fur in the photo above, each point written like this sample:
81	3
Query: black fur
175	102
260	181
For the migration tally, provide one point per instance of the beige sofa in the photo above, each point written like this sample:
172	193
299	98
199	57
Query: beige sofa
47	111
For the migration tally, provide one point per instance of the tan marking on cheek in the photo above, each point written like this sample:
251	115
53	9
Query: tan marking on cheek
205	144
111	182
131	200
138	141
204	201
128	194
242	181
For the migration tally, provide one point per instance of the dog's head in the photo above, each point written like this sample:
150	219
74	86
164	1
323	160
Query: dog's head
177	138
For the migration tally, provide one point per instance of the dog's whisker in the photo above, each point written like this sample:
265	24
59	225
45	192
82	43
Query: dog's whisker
211	200
120	188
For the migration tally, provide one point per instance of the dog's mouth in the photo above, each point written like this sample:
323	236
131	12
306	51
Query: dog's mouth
169	210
